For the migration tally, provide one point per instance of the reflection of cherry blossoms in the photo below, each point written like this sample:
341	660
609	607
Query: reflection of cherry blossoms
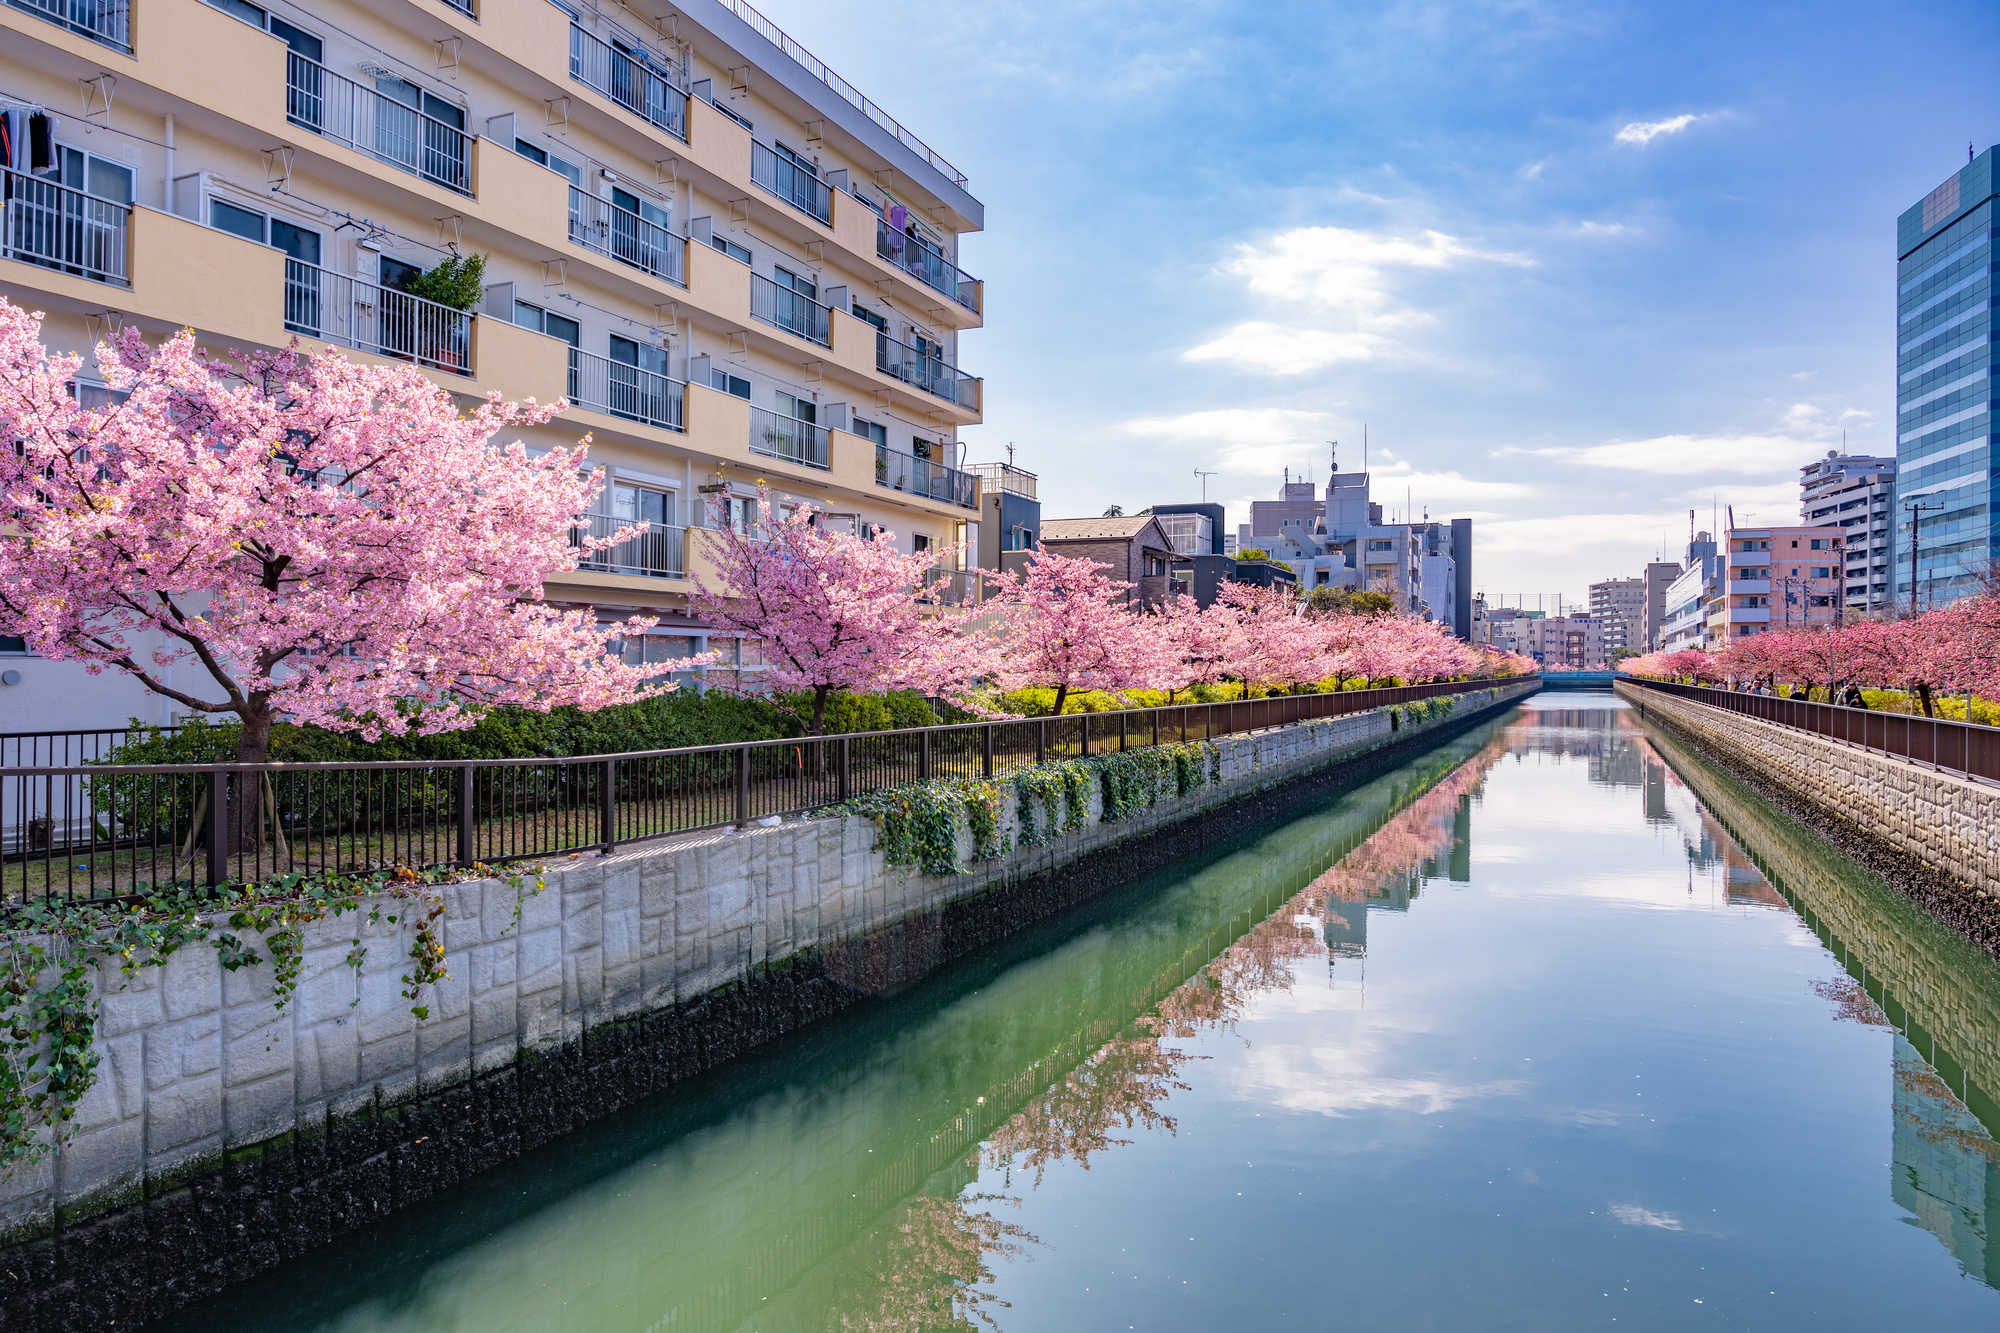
1121	1086
938	1274
1852	1003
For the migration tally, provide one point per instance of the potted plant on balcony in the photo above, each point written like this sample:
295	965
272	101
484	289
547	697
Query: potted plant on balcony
458	284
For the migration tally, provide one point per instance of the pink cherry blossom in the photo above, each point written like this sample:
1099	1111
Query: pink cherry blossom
1066	625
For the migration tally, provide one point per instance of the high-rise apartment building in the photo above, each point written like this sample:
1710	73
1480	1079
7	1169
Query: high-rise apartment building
1621	605
1778	578
1944	389
738	269
1574	642
1855	494
1693	596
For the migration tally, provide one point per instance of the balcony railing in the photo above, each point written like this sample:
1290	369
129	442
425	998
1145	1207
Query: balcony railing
791	183
106	21
922	262
600	225
338	309
624	390
337	108
963	587
794	312
658	552
782	437
920	476
1004	477
654	92
65	230
927	370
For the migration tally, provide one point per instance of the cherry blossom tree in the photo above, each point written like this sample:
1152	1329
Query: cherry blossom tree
1195	642
332	543
835	611
1065	625
1273	643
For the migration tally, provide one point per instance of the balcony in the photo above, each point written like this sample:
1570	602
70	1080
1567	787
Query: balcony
922	261
791	183
351	313
358	117
792	441
657	552
66	230
1004	477
963	587
919	476
631	77
600	225
620	389
107	22
792	311
927	370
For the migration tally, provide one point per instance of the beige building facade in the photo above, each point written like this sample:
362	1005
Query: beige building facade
737	268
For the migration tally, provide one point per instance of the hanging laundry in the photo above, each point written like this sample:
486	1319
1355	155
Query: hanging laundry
41	142
9	136
899	218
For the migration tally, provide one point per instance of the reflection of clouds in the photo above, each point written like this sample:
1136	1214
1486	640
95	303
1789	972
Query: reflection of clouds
1343	1080
1595	1117
1634	1216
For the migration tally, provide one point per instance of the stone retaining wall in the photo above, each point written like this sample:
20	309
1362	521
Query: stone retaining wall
1946	823
223	1136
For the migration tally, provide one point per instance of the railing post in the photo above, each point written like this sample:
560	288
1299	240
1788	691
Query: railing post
846	760
1156	728
465	847
923	755
1121	729
1041	739
1083	731
218	827
607	805
742	786
986	751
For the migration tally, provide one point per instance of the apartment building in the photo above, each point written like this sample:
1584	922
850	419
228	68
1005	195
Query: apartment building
738	269
1573	642
1855	494
1621	605
1692	597
1779	578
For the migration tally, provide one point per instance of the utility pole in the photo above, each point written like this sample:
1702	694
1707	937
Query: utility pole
1915	509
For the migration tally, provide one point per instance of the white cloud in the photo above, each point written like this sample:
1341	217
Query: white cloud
1598	229
1431	488
1351	281
1634	1216
1642	132
1678	455
1246	439
1533	171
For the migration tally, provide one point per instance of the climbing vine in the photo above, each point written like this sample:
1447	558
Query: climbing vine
919	822
55	958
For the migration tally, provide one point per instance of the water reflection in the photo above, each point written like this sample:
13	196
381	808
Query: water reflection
914	1165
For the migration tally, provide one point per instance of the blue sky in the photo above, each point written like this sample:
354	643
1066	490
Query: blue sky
1579	267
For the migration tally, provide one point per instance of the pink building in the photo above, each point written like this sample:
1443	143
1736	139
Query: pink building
1780	578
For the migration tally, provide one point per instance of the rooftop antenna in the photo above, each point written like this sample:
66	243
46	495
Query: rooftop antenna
1204	483
1364	446
1334	446
1010	453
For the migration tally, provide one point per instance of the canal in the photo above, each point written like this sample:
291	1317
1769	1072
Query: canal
1555	1026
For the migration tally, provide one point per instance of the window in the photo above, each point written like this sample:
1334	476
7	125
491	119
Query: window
804	164
298	243
1155	567
730	384
862	312
13	643
803	286
236	221
799	409
628	352
543	321
94	397
870	430
631	505
730	248
550	160
1820	572
919	543
1380	544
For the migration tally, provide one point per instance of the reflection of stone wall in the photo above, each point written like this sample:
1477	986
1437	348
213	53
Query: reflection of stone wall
626	974
1948	824
1947	1167
1928	979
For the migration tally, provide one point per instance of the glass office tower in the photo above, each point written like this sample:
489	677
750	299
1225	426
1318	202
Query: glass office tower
1945	435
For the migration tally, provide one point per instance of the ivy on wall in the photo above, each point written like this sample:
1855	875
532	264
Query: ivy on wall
55	955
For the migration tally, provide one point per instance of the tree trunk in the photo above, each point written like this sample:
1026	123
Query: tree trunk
819	709
244	820
1924	695
1062	693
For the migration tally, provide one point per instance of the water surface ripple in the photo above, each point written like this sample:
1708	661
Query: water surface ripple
1554	1027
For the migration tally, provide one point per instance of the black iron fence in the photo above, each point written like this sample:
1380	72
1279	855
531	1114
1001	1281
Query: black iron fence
95	831
1937	743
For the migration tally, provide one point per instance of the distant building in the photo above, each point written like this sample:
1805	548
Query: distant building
1010	516
1194	529
1133	547
1621	605
1504	627
1692	597
1574	642
1779	578
1945	430
1857	495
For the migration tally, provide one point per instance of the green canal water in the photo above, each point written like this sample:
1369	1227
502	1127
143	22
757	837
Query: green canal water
1554	1027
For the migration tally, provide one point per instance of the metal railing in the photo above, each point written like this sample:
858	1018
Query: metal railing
927	370
659	552
99	832
59	228
338	309
60	749
784	437
792	311
108	22
964	587
924	263
791	183
465	7
337	108
654	92
1937	743
1004	477
919	476
812	65
624	390
600	225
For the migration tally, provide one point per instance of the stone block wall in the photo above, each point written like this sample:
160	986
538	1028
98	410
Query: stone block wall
208	1092
1944	822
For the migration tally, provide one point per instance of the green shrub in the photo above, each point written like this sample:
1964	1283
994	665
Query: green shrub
458	282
